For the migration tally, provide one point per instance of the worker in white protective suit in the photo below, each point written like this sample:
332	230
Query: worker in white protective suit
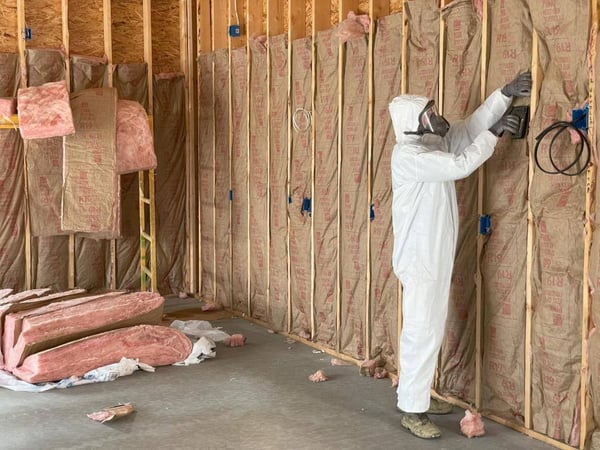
429	155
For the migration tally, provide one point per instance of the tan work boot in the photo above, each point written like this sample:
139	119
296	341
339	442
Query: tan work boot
439	407
436	407
420	425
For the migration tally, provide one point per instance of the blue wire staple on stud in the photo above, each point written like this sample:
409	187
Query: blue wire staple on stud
372	212
485	225
306	207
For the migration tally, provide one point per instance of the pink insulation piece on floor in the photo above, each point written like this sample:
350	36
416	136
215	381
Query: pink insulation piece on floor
135	149
57	324
8	106
44	111
155	345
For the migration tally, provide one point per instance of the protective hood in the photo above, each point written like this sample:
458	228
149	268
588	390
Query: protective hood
404	111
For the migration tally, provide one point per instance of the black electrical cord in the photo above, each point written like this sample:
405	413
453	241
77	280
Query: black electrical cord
583	144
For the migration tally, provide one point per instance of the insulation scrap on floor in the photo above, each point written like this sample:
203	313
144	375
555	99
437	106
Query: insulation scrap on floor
44	111
318	377
61	322
152	344
113	412
471	425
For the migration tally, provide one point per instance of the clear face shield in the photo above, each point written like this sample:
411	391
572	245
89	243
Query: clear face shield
430	121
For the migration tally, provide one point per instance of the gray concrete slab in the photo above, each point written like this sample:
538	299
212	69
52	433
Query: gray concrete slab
254	397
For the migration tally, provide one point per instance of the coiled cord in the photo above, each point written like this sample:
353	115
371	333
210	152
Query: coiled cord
301	113
582	146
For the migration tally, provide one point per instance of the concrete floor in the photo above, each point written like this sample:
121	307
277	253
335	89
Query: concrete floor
254	397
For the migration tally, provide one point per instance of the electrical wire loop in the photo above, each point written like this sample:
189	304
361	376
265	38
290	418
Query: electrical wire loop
305	118
583	148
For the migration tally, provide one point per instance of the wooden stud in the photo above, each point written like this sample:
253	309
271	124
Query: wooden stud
188	67
535	73
296	30
274	24
65	39
403	90
145	272
319	13
480	209
71	280
204	26
254	27
590	202
338	306
442	58
147	23
232	4
107	16
22	50
405	35
375	8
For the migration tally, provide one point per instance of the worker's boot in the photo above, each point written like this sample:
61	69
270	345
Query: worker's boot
436	407
420	425
439	407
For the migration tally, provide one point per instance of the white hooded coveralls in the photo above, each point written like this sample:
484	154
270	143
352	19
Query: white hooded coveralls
425	224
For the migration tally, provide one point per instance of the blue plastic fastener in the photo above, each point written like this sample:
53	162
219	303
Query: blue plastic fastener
485	224
580	117
306	207
230	196
290	199
235	31
372	213
27	33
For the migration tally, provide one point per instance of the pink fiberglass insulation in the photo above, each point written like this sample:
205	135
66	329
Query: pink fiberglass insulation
8	106
57	326
25	306
152	344
5	292
44	111
135	149
11	314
